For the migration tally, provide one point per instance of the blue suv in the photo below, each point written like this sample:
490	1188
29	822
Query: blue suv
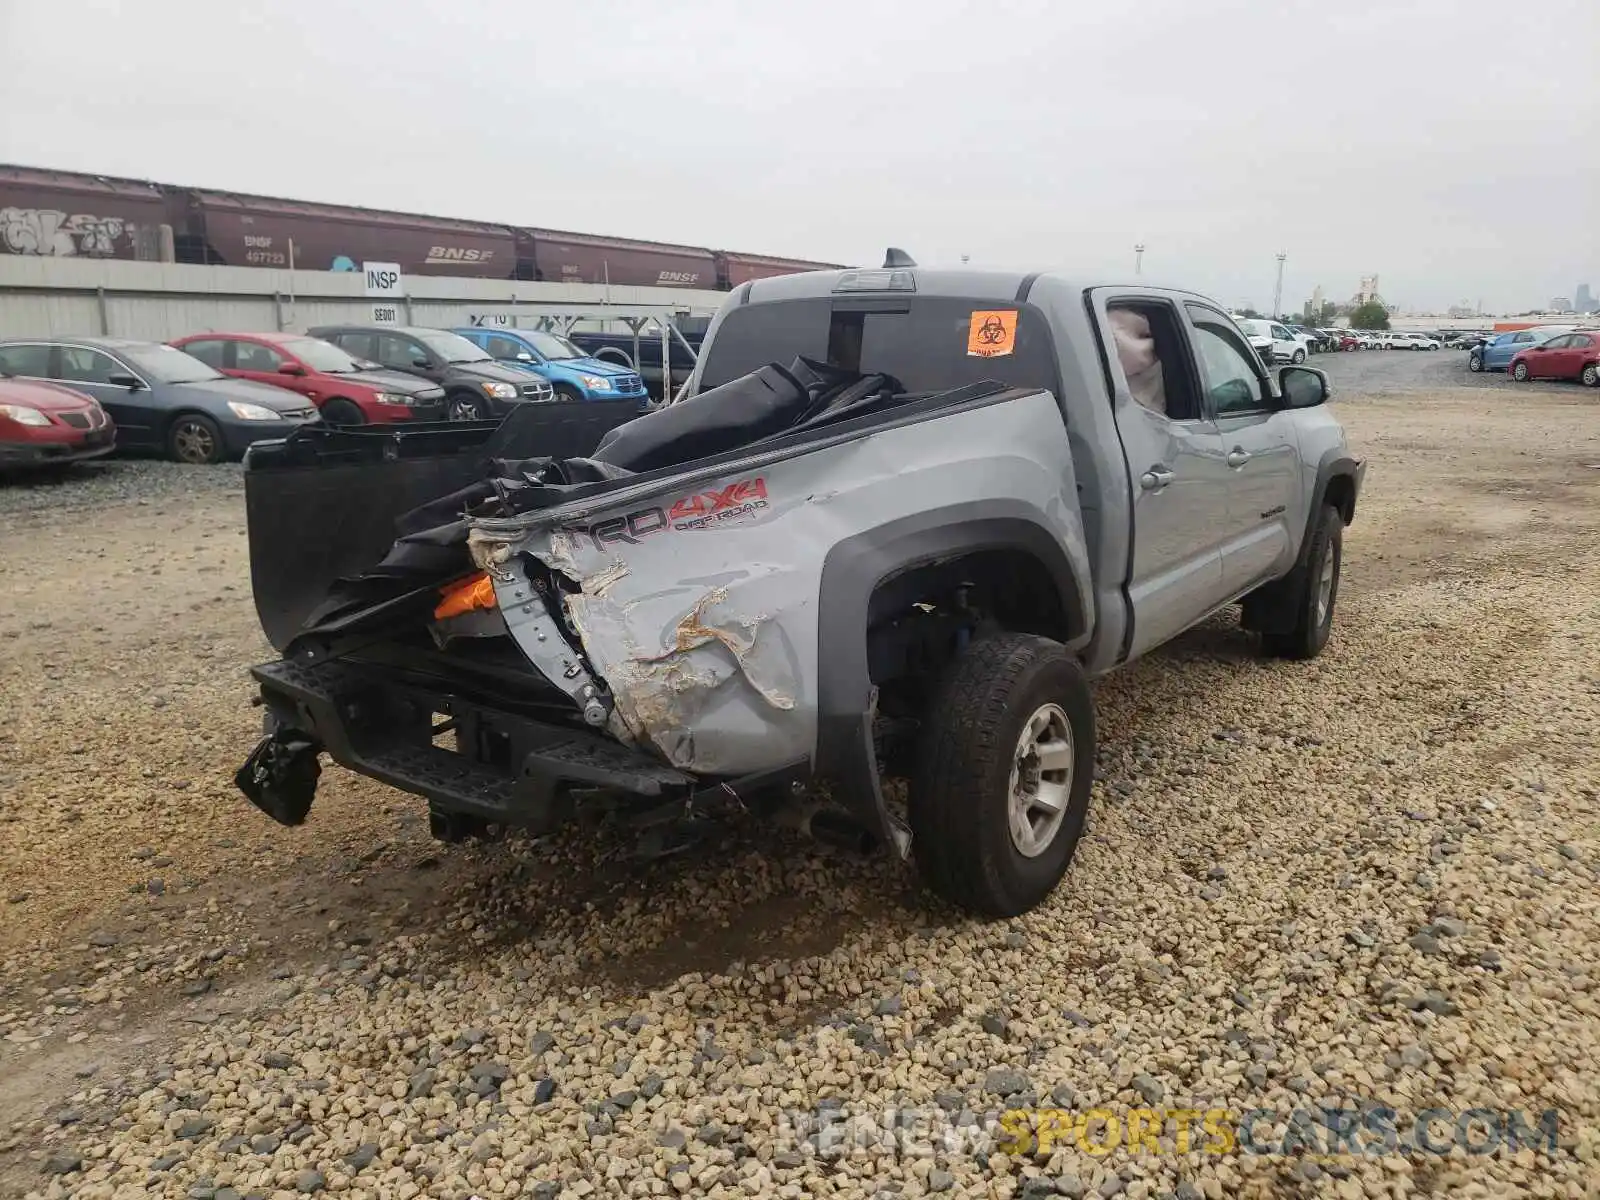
573	374
1496	354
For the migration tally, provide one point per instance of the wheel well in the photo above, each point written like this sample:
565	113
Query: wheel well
1341	494
173	419
918	611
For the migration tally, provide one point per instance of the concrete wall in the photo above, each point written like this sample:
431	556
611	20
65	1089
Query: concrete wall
157	301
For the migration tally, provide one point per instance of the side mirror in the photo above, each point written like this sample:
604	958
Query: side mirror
418	360
524	356
1303	387
291	369
124	380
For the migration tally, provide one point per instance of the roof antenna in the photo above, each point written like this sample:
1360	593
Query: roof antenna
897	257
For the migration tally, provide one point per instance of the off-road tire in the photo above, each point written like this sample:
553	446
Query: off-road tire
960	794
340	411
1308	633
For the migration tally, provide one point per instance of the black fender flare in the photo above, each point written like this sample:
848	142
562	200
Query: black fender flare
851	571
1335	463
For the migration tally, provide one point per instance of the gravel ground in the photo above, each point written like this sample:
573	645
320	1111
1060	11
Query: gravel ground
1372	877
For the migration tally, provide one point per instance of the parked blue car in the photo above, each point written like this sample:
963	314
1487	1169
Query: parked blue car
573	374
1496	353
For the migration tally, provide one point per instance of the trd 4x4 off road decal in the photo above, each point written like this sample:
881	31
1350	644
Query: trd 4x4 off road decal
706	509
703	510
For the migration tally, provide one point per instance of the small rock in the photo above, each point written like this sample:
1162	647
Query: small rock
889	1006
362	1156
421	1083
103	939
1005	1083
203	1191
197	987
166	1162
711	1134
1489	960
1568	850
1361	938
1151	1089
491	1072
1112	1186
1256	1074
1217	873
1070	1185
1064	1095
940	1180
266	1143
788	1160
672	1139
1017	940
276	1060
62	1162
1423	943
543	1090
1446	927
193	1127
650	1087
1413	1056
994	1023
1076	1018
19	897
1037	1188
541	1042
309	1181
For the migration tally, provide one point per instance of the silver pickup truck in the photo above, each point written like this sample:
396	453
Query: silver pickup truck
901	520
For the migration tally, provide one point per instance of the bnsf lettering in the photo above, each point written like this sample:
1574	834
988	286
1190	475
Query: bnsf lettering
678	277
256	241
438	254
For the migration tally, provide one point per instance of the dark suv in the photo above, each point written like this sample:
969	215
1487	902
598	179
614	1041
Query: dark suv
476	387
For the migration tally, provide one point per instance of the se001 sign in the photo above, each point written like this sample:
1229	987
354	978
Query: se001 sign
383	278
385	314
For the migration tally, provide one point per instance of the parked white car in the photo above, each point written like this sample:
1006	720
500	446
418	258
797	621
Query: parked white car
1421	341
1272	341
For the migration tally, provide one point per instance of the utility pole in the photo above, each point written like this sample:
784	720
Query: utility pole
1138	258
1277	294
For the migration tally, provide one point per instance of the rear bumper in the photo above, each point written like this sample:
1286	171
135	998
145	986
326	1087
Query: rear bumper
506	767
56	450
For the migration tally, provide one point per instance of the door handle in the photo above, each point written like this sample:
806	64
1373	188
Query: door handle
1156	478
1238	456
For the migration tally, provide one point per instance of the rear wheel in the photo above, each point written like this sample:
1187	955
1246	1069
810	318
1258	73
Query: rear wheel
340	411
194	438
1591	375
1001	786
1520	372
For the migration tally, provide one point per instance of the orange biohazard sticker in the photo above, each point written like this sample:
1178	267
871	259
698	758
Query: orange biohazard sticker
992	334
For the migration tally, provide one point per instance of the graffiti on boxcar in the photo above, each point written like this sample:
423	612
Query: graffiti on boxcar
49	231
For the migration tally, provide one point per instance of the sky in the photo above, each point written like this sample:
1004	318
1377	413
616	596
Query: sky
1450	146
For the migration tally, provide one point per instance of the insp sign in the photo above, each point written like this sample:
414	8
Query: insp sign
383	279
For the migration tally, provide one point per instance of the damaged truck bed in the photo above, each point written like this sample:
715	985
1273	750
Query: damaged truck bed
888	533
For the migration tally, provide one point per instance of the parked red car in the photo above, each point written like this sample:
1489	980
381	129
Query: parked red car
1571	356
42	425
346	391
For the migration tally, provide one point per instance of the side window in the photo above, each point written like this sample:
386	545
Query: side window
1149	350
1581	341
207	350
397	351
252	356
1523	337
1282	334
81	365
1227	366
502	347
26	360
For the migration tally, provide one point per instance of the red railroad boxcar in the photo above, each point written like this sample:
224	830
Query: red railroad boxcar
560	257
254	231
56	214
735	269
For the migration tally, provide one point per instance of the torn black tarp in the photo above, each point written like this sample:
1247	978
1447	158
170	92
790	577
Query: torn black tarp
431	549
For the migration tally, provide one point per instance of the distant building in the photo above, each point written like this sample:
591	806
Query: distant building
1559	305
1583	299
1367	293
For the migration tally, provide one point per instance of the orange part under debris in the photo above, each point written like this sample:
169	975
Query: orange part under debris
466	596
